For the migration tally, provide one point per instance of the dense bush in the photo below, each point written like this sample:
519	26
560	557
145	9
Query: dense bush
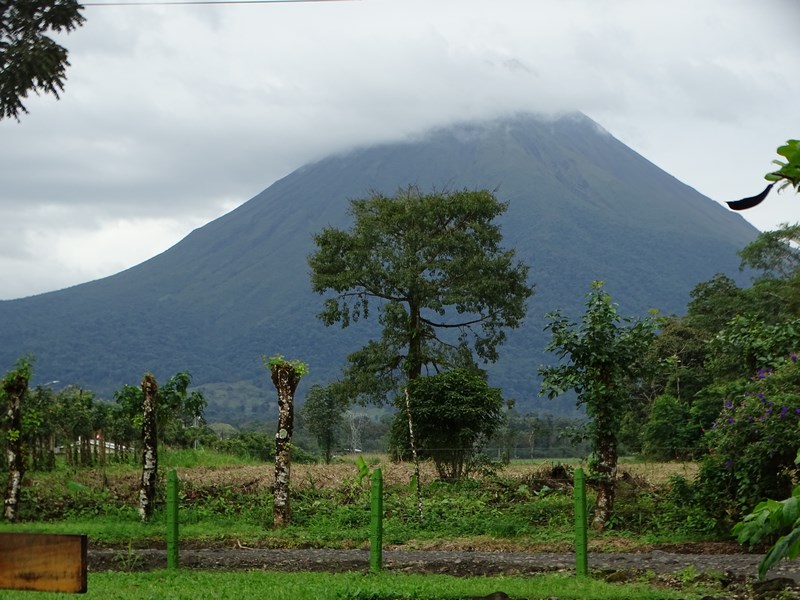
665	435
454	415
753	444
258	446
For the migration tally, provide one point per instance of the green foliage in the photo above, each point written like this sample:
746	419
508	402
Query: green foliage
364	472
179	412
533	507
775	295
671	428
278	361
747	344
667	434
22	370
432	263
753	388
789	172
604	357
323	416
753	442
774	253
30	61
454	414
768	518
684	512
714	303
253	445
681	351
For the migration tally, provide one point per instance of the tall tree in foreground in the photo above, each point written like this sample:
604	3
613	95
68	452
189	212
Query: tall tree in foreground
13	388
285	376
147	490
603	362
433	266
30	61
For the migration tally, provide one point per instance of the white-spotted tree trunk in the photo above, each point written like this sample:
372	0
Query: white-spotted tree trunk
15	384
147	491
285	377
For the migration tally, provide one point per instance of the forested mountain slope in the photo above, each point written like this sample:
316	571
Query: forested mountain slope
582	206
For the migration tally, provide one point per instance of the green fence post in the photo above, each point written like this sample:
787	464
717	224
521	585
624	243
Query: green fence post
172	519
581	542
376	529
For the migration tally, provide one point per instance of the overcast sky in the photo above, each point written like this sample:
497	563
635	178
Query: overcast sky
174	115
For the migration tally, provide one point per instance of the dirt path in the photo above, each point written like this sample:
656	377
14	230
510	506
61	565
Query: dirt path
435	561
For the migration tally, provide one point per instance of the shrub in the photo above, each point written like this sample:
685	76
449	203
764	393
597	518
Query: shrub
753	443
665	435
454	414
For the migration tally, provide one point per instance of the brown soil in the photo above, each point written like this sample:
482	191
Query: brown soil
672	566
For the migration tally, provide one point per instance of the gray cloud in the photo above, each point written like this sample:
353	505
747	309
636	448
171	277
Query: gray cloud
174	114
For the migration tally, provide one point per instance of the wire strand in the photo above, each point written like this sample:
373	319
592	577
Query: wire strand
197	2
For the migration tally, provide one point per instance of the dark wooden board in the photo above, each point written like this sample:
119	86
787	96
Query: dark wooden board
43	562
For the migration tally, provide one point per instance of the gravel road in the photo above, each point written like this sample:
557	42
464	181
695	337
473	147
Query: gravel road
448	562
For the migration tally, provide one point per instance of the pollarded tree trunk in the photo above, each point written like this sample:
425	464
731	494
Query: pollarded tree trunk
285	377
147	491
14	387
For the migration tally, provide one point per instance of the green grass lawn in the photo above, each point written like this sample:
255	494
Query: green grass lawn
194	585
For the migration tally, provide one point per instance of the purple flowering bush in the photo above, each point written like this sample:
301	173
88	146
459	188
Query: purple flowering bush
753	443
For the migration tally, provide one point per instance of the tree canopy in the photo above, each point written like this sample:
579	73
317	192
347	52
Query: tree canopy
774	253
434	267
177	409
30	61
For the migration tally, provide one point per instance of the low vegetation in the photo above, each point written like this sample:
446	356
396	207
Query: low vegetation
227	502
527	505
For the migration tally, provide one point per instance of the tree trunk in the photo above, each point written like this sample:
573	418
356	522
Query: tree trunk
329	440
101	445
51	452
414	368
147	491
605	473
285	378
85	448
414	454
14	389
